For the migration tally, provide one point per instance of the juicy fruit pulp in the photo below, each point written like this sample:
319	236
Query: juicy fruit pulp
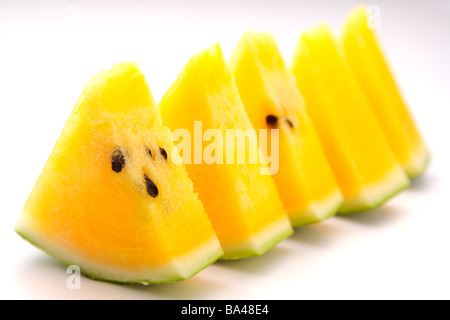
353	140
305	180
243	205
365	58
109	201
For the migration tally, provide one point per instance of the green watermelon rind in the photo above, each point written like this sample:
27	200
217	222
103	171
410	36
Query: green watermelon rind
413	174
401	180
96	276
374	206
314	217
330	214
253	248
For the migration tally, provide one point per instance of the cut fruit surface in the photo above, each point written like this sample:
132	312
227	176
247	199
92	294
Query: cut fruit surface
305	180
111	199
243	204
357	149
364	56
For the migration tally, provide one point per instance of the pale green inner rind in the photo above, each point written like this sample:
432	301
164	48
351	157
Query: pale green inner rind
178	269
261	242
376	194
318	211
418	163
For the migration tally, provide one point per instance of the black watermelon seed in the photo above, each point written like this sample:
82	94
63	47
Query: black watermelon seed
163	153
152	189
150	152
271	120
117	161
289	122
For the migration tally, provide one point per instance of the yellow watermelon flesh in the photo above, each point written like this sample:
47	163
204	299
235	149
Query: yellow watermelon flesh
357	149
305	180
366	60
243	205
111	199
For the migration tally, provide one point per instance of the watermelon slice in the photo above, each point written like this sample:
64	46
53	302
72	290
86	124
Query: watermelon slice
111	199
305	180
357	149
243	205
367	62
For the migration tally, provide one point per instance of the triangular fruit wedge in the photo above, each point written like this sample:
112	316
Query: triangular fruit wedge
110	199
353	140
243	204
366	60
305	180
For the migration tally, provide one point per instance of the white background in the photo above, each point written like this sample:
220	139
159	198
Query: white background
48	51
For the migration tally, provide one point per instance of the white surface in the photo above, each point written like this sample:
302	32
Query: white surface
48	51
